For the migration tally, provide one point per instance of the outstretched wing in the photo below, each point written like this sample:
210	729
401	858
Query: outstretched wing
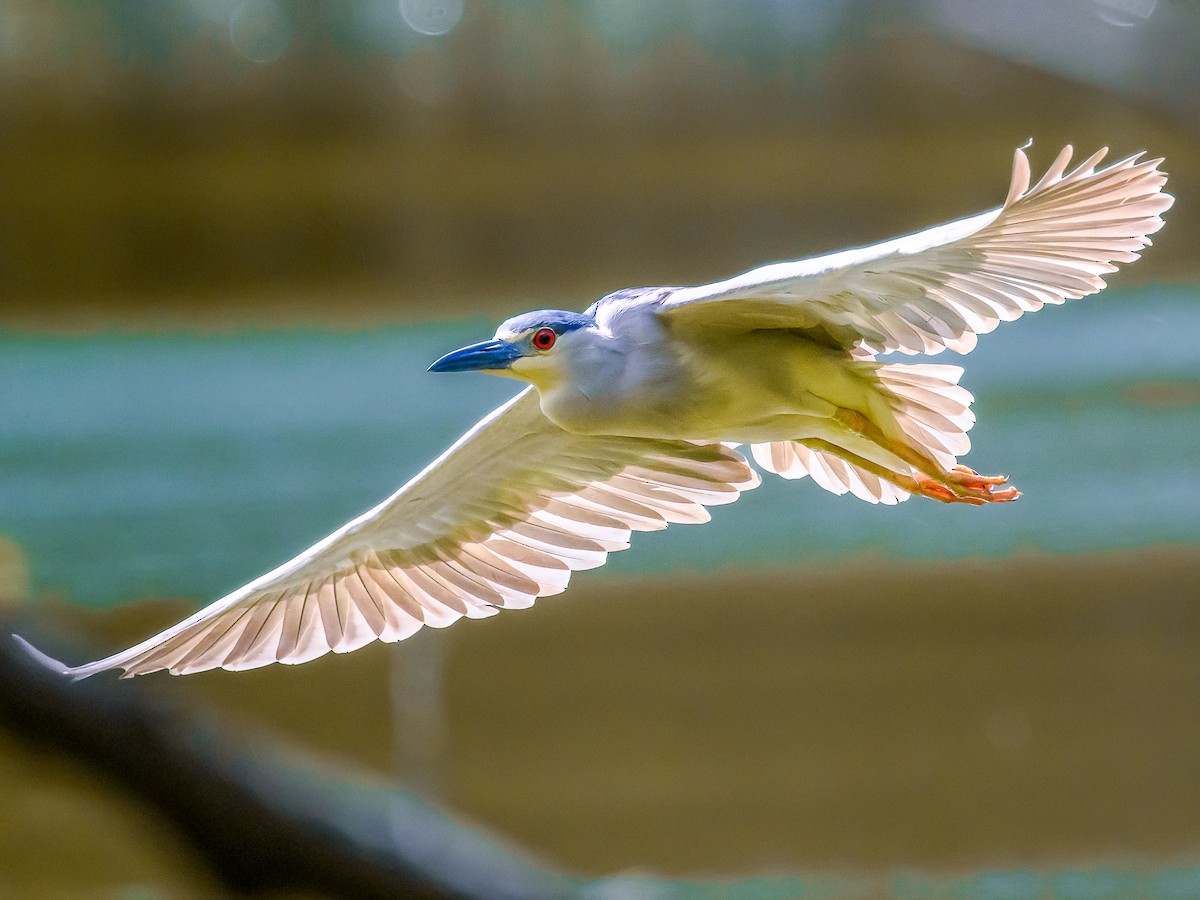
502	517
941	287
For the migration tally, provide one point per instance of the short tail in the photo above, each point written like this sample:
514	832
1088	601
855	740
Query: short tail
930	408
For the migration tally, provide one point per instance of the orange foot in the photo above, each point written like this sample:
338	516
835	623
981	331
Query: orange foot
963	485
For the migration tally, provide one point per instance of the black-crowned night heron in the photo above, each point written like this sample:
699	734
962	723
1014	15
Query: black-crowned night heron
636	405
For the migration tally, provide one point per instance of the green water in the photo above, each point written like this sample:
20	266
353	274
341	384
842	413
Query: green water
135	465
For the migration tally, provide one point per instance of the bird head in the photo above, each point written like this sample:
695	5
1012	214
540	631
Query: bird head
531	347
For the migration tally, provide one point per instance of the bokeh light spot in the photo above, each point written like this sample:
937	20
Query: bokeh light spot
431	16
1125	13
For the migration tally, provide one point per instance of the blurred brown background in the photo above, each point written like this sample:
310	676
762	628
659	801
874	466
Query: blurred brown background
536	152
215	167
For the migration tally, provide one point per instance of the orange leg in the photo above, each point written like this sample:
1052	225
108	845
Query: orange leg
920	486
971	478
958	485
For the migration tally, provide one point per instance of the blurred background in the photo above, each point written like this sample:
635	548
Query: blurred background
234	233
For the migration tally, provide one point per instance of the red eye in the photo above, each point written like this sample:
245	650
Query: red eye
544	338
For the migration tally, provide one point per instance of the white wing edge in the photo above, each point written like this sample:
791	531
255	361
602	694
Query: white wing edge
1147	205
772	273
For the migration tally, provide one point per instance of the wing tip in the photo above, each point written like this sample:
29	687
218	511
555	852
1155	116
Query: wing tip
49	662
1021	172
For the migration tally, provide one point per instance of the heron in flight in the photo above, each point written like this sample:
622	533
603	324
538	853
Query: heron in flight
635	407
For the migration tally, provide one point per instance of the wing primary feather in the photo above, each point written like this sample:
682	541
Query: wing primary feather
250	630
289	638
435	614
1053	174
256	633
486	564
435	592
476	607
556	537
1020	176
368	606
326	598
390	563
